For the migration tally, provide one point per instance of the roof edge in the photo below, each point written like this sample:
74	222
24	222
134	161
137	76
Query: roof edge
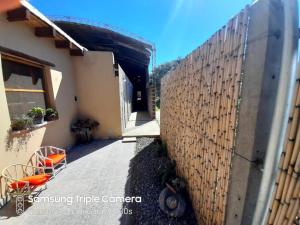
43	18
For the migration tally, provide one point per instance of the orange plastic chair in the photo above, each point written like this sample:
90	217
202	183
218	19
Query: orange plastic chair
24	179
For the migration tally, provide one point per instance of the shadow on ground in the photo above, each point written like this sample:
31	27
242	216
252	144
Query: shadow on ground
143	180
77	152
9	210
82	150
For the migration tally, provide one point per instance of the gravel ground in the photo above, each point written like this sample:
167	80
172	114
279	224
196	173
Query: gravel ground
144	181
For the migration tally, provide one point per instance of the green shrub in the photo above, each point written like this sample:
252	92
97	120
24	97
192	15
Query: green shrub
51	114
179	184
160	149
21	123
36	112
167	172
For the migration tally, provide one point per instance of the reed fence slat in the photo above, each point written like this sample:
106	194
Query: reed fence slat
199	113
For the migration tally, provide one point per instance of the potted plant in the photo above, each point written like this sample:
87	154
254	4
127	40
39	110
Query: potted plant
83	129
51	114
19	124
37	115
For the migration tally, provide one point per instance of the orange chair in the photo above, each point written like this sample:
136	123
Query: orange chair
51	158
24	179
35	180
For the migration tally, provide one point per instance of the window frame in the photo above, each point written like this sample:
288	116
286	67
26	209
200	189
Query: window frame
45	79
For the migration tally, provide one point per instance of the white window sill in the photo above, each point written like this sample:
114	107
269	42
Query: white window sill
35	127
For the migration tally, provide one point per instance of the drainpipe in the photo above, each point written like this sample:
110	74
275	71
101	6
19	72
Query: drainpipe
286	87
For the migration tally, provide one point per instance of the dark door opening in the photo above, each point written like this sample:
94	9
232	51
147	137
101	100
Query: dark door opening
139	101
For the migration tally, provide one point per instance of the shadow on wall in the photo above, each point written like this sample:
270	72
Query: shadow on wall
17	142
58	133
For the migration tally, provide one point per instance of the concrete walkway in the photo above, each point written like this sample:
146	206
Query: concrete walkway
94	170
157	115
141	125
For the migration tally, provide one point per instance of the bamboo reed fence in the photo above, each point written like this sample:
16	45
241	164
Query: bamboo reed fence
285	208
199	107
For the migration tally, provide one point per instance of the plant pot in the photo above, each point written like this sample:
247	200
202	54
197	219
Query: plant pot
50	118
19	129
83	135
173	204
38	120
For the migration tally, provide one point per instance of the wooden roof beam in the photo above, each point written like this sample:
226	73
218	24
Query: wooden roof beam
62	44
47	32
76	52
19	14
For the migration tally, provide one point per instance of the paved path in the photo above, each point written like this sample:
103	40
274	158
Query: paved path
157	116
98	169
141	125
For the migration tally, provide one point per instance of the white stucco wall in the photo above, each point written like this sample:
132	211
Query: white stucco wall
98	92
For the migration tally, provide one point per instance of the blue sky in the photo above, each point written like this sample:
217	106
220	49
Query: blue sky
175	26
